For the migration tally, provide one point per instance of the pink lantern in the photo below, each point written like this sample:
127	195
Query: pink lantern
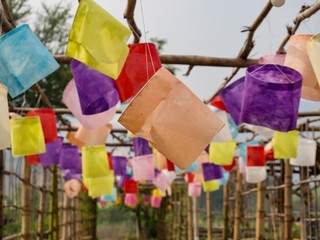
194	189
131	199
155	201
143	167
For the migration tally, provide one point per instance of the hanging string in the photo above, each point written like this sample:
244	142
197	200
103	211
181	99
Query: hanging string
263	65
147	48
271	35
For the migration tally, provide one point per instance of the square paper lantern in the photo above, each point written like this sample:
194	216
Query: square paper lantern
211	171
119	165
141	147
99	186
143	61
130	186
4	118
97	92
285	144
222	153
94	161
194	189
48	123
26	136
131	199
255	156
33	159
110	198
104	50
52	154
143	167
96	136
174	120
70	158
255	174
271	97
210	186
225	134
307	150
155	201
313	50
22	67
243	149
71	99
297	58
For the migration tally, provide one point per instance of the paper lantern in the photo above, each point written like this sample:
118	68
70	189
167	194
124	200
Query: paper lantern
71	99
189	177
255	174
72	188
194	189
225	179
166	103
210	186
110	162
306	155
164	179
155	202
26	136
96	136
48	123
22	67
313	50
268	151
33	159
110	198
232	98
141	147
143	61
271	97
130	186
73	140
72	174
203	158
224	134
94	161
231	166
146	199
99	186
192	168
104	50
122	179
222	153
97	92
242	165
211	171
298	59
143	167
69	158
255	156
131	199
278	3
285	144
218	103
4	118
52	154
170	165
243	149
119	165
272	59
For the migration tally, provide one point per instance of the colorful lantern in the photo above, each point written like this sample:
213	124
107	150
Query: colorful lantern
141	147
130	186
97	92
192	124
52	154
256	174
155	202
306	155
131	199
26	136
4	118
96	136
99	186
69	158
22	67
218	103
143	61
255	156
210	186
222	153
104	50
33	159
71	99
194	189
143	167
298	59
72	188
285	144
48	123
313	50
119	165
211	171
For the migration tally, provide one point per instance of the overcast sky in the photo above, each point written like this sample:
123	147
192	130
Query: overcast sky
210	28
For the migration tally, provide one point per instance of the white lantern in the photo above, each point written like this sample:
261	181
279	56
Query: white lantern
4	118
256	174
307	150
277	3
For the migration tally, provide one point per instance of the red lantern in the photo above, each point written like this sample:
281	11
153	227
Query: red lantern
48	123
189	177
230	167
110	161
136	72
33	159
170	165
218	103
255	156
130	186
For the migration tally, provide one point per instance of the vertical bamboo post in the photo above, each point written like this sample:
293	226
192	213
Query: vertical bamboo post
288	201
174	216
42	204
195	219
78	217
225	213
1	193
260	212
237	213
65	217
94	220
209	215
179	211
54	225
25	202
189	216
303	204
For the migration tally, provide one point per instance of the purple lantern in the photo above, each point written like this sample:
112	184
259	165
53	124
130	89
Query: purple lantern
211	171
271	97
97	92
232	99
141	147
72	174
124	177
119	165
70	158
52	154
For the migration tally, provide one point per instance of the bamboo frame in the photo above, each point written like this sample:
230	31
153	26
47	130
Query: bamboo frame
26	203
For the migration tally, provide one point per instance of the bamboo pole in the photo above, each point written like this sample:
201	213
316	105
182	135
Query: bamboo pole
237	213
189	217
65	217
209	215
303	204
225	213
260	212
288	201
174	216
25	202
195	220
1	193
54	225
42	205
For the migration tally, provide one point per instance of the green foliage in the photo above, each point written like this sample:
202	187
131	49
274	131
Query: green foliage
20	10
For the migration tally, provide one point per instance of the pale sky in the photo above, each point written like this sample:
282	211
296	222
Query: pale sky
211	28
